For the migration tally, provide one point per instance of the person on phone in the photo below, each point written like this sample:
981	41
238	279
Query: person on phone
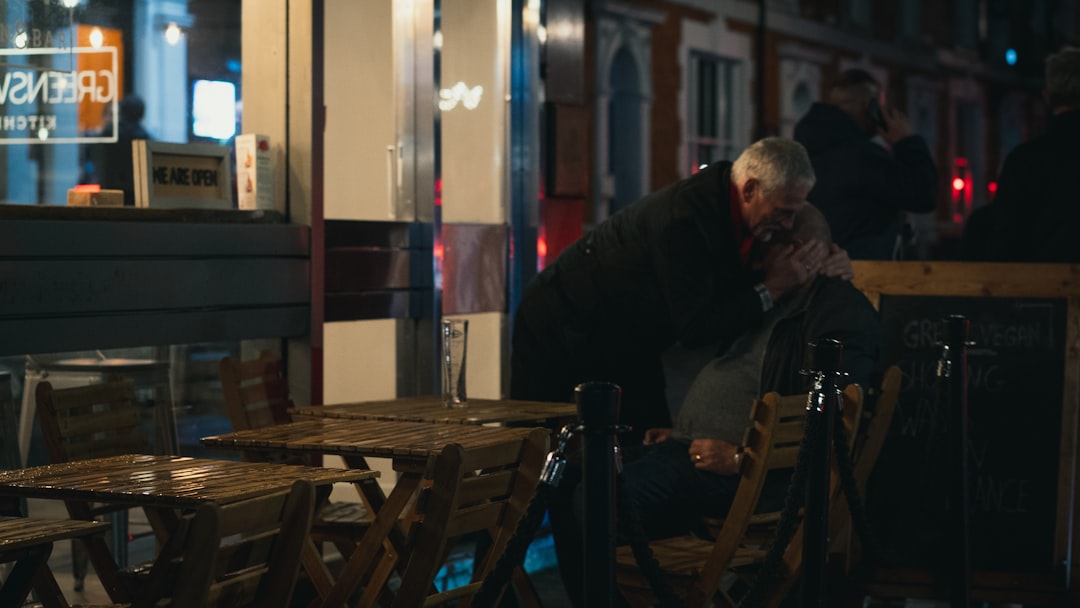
862	187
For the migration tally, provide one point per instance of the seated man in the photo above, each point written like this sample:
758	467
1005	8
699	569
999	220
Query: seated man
687	472
690	471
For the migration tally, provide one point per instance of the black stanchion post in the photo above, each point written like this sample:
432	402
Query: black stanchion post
598	408
822	403
953	384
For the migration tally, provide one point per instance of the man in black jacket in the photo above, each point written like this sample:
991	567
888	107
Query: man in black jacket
674	266
1035	212
862	188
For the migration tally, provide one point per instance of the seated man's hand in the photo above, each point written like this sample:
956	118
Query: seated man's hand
838	264
657	435
715	456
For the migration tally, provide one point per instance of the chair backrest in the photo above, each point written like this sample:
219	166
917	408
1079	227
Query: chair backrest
751	524
256	391
484	490
876	425
91	421
239	554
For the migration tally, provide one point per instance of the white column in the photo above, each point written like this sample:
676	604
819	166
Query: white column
161	74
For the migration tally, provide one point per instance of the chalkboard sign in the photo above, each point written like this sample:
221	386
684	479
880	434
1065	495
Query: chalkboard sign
1016	373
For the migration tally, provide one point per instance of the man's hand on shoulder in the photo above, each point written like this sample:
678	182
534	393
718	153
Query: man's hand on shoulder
838	264
657	435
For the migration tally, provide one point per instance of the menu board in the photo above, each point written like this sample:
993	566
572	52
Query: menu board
1015	374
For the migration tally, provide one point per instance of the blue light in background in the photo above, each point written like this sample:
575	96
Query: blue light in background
1010	56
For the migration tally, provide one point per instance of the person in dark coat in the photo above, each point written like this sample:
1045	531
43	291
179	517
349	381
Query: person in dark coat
1037	205
673	266
862	187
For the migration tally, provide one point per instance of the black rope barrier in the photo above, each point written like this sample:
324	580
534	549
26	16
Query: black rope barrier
789	519
856	506
643	555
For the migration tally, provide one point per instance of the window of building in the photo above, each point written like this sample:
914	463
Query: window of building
910	20
965	24
79	79
711	113
858	13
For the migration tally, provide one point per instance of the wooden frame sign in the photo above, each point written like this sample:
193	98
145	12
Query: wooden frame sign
181	176
1023	397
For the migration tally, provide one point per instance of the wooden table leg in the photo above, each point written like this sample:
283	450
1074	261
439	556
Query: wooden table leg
48	592
102	560
370	545
19	581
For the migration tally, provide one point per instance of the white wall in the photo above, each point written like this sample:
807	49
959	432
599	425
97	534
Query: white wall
476	53
361	107
161	69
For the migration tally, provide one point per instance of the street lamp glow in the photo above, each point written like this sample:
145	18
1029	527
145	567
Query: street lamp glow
173	34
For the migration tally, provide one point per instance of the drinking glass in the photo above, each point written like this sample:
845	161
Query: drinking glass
455	334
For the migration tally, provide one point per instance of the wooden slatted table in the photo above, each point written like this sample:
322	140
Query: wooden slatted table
162	485
429	408
411	447
28	543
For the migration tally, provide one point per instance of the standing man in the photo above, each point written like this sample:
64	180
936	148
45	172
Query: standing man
862	187
118	172
1037	205
673	266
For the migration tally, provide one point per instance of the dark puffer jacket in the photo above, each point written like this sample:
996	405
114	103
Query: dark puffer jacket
861	187
1037	207
665	269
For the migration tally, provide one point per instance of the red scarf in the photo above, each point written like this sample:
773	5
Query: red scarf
743	239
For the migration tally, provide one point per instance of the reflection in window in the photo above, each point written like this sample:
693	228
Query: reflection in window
67	67
177	389
712	102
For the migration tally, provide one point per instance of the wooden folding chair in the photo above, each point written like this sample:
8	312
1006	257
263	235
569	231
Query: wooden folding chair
92	421
484	492
241	554
256	391
695	566
257	395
